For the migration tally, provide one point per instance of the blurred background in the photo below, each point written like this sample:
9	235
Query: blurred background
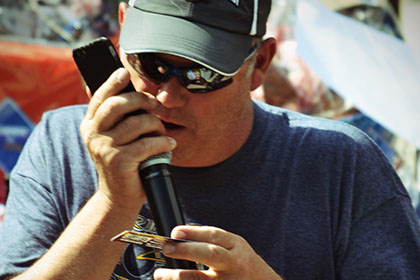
353	61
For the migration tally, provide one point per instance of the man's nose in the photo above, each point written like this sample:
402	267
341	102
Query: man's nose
171	93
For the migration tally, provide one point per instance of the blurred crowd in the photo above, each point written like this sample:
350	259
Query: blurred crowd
68	21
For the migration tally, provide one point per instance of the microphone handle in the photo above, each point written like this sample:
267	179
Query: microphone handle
164	206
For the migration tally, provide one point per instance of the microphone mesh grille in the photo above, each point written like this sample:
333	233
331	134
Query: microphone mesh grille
157	159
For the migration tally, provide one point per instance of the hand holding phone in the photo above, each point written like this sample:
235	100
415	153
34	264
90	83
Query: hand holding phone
96	62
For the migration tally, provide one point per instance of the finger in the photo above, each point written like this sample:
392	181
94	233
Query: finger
115	108
213	247
214	256
132	127
146	147
169	274
206	234
118	80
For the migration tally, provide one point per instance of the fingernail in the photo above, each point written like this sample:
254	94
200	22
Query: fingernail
168	248
180	235
172	142
122	74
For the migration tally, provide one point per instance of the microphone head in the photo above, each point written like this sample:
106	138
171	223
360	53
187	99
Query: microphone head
162	158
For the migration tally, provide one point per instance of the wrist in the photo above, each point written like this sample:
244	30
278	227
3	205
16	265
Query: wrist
125	205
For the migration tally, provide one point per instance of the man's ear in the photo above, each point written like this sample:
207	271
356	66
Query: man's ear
122	9
264	55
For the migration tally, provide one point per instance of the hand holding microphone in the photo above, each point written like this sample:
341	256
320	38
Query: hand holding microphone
96	62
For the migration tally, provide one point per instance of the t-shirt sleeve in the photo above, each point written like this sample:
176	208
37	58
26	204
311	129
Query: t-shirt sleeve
32	222
382	240
384	244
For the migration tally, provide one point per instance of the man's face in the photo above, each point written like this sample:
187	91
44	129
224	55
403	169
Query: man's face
208	127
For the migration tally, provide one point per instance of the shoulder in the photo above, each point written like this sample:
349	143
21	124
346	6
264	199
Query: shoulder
65	115
318	143
57	135
61	124
303	129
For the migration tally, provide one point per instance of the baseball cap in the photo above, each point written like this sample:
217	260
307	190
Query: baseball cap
214	33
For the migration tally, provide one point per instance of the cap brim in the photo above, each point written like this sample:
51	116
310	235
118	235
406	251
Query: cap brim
221	51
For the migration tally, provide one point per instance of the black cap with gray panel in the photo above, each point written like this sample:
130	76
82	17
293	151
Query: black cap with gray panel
215	33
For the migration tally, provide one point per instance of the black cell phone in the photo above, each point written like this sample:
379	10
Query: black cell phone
96	61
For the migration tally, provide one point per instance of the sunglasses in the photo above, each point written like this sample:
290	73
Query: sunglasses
195	79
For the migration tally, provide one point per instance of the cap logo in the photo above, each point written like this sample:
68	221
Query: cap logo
235	2
255	19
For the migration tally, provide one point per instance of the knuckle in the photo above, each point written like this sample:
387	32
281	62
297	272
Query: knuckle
83	130
151	119
216	235
130	124
118	79
137	125
146	145
113	158
101	149
157	125
86	132
215	254
112	105
242	241
98	148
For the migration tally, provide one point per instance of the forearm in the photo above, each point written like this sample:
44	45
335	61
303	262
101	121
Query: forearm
84	250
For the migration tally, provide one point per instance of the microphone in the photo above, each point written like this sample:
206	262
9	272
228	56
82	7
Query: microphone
163	201
96	61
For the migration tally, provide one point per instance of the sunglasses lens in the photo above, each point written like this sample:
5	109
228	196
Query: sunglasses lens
195	80
152	69
202	80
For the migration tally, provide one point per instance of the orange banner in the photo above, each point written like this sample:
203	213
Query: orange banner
39	78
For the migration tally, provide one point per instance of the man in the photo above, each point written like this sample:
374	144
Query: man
279	195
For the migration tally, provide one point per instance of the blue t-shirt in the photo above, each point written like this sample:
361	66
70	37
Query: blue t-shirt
315	198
